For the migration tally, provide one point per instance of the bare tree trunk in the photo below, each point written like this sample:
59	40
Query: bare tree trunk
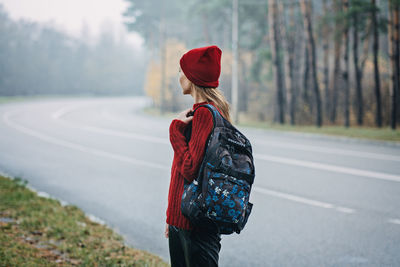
396	42
306	82
346	67
391	51
336	67
275	48
307	16
287	43
298	62
325	47
365	51
394	58
293	86
359	97
397	57
244	86
378	117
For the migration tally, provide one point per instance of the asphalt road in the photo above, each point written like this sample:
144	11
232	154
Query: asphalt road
318	201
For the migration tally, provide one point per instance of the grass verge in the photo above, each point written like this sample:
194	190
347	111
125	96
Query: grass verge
156	112
39	231
383	134
9	99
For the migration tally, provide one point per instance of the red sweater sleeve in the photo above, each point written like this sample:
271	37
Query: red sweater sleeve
190	155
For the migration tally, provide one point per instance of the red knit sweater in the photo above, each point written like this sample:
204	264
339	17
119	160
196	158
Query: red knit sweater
187	160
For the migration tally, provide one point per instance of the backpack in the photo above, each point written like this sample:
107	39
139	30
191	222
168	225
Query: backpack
218	198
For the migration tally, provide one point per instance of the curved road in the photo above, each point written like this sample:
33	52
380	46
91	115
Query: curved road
318	201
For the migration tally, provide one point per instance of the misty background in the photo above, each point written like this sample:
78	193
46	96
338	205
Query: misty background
339	71
42	58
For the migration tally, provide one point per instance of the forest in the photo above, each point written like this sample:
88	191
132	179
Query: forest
297	62
37	59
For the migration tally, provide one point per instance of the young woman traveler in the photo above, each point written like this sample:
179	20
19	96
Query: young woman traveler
200	69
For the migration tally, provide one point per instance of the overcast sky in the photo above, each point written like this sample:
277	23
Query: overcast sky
69	15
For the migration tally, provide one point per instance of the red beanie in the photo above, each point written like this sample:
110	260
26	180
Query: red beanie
202	66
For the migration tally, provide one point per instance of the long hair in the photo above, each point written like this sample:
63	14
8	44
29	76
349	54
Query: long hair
215	95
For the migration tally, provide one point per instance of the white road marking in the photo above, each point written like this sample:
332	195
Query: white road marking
303	200
345	210
63	111
329	167
283	160
60	142
291	197
309	164
328	150
394	221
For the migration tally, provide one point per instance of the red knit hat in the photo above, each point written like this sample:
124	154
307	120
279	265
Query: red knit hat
202	66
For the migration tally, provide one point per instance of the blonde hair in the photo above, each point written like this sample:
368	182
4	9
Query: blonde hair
211	94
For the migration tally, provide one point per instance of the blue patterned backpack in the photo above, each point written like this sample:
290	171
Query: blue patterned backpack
218	198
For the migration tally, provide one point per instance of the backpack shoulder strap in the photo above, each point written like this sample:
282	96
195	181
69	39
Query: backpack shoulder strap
217	117
217	120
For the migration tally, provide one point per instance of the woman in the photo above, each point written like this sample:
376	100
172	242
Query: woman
200	69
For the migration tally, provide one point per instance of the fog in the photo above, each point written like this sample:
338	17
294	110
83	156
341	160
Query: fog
37	58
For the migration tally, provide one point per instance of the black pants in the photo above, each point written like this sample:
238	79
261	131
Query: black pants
193	248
